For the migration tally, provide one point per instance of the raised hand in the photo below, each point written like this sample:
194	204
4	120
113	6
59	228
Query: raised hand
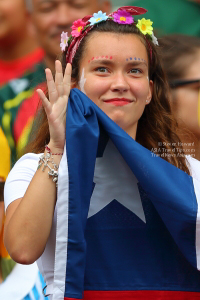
55	107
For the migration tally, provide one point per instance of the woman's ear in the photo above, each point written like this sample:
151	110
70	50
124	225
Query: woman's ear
150	93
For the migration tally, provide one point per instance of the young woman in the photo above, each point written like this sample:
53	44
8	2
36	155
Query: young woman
115	63
182	66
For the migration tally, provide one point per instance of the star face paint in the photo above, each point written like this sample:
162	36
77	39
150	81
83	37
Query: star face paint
100	58
82	81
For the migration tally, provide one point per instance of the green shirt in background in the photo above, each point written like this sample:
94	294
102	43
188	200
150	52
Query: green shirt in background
171	16
19	103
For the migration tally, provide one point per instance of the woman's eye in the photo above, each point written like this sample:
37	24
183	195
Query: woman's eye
135	71
101	70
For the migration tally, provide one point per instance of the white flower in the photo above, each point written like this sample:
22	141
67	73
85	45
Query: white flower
64	40
154	39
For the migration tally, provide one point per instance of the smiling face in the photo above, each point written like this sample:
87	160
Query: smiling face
114	75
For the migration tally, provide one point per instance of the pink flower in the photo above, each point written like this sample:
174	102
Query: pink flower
123	17
77	27
64	40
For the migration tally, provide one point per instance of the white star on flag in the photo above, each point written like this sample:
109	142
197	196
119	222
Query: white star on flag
114	180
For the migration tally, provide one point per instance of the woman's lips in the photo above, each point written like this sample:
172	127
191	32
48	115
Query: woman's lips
118	101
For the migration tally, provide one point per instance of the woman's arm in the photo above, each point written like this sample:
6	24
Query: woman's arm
29	219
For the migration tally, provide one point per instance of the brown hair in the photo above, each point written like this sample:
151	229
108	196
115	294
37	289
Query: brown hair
157	127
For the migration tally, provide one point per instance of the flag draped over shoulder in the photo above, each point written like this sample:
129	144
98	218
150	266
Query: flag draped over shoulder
120	236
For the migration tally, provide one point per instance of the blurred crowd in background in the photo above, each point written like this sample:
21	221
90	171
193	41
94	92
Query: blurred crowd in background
30	41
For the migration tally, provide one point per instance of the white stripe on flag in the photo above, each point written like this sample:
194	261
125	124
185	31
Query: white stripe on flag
61	230
197	192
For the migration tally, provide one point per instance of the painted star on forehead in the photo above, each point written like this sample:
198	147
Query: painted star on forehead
115	181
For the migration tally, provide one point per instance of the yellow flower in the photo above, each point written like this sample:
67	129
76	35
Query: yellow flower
145	26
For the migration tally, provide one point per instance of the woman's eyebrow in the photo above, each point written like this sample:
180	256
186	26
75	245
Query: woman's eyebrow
137	63
102	61
133	63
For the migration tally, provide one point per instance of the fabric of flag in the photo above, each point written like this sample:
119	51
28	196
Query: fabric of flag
127	220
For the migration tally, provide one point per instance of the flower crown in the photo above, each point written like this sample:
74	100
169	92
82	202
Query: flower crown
124	15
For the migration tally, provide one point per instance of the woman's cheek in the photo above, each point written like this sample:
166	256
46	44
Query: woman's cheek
96	87
140	89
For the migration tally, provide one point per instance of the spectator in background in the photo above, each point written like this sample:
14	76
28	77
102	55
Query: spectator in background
18	46
17	282
18	100
51	17
181	60
172	16
21	70
6	263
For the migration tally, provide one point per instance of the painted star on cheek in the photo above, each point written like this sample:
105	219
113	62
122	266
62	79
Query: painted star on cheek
115	181
82	81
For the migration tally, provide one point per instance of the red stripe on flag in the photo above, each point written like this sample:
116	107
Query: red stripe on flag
138	295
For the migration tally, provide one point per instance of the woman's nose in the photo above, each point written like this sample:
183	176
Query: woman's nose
120	83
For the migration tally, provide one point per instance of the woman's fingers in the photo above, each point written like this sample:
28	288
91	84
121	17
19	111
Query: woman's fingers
59	78
45	102
67	79
58	91
52	90
61	86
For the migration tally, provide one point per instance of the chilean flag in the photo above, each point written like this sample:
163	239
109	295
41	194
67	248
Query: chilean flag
127	220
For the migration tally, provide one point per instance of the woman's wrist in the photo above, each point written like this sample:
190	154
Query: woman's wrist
47	148
54	152
53	149
50	162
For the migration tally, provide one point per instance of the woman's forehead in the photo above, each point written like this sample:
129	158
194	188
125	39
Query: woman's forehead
115	44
